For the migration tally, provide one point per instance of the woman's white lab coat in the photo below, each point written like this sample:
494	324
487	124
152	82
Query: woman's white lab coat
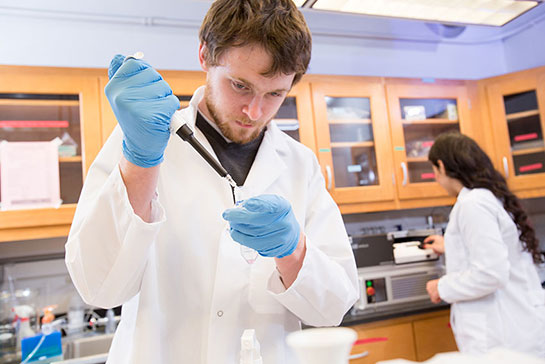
493	285
187	293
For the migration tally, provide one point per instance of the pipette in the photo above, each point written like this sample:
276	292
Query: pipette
178	126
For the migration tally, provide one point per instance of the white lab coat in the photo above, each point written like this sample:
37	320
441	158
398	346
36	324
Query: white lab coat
493	285
187	293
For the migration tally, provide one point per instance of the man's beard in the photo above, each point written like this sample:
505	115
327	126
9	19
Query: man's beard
225	128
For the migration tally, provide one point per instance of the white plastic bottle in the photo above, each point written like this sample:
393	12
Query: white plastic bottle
250	352
23	313
76	316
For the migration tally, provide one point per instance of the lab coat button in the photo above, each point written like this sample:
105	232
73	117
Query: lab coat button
220	313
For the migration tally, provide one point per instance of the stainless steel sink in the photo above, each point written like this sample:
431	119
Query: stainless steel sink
90	345
91	359
87	350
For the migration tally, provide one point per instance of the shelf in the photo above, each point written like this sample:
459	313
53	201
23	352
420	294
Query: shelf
31	218
352	144
417	159
522	114
528	151
286	121
27	102
350	121
76	158
430	122
527	145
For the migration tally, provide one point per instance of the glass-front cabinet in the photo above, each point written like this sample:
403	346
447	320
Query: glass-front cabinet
40	105
418	114
295	115
353	139
517	110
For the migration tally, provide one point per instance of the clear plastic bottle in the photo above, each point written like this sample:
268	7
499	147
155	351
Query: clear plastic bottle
76	316
68	147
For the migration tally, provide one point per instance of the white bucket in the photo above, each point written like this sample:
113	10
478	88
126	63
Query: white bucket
330	345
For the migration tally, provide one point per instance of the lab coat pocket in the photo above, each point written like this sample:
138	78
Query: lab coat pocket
471	332
260	299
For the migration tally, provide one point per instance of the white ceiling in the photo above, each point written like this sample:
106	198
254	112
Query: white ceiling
189	13
67	33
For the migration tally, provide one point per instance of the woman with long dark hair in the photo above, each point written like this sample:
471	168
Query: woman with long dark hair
491	250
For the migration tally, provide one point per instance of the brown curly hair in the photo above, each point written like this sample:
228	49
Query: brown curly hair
467	162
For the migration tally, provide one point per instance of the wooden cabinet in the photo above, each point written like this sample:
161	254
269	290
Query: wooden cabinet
433	335
353	139
414	337
400	343
371	134
418	113
39	104
517	122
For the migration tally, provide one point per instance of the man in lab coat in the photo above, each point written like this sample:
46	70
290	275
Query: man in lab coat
156	229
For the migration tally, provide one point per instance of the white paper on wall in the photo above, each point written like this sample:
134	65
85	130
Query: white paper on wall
29	175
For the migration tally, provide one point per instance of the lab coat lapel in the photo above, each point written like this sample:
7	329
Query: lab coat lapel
268	165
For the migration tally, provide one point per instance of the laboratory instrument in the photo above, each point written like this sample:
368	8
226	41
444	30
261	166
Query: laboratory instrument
393	280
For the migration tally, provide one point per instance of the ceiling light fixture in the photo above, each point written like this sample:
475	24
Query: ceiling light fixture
480	12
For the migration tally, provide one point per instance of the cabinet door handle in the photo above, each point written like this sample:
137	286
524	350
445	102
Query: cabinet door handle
505	167
357	356
362	302
405	173
328	174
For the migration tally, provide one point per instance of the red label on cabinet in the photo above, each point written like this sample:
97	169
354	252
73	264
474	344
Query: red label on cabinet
427	176
531	167
33	124
523	137
428	144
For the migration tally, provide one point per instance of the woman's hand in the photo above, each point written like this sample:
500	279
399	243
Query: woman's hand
436	243
433	291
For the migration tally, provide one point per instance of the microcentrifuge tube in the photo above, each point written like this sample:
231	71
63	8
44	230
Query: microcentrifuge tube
250	255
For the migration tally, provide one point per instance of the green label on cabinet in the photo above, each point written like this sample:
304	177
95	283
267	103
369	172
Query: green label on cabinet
325	150
400	149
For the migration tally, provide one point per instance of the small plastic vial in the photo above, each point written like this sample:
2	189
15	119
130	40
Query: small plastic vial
250	255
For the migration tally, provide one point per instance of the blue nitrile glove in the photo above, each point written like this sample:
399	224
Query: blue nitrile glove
266	224
143	104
